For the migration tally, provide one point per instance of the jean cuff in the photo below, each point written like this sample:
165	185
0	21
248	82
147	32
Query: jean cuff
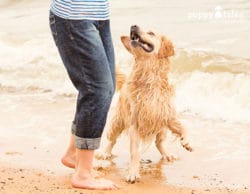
87	143
73	128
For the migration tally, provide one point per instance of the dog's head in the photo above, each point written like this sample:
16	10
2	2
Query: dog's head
147	44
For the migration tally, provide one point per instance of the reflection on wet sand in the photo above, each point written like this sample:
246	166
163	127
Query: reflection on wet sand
220	158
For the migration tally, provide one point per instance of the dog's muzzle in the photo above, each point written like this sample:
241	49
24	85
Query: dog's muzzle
137	40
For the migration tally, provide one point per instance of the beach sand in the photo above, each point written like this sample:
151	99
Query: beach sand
31	163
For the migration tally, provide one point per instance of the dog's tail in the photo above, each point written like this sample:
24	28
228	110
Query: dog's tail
120	78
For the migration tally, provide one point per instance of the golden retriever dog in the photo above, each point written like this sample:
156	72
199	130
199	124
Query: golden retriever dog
145	107
120	78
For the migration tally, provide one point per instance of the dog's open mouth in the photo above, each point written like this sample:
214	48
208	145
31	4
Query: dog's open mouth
136	40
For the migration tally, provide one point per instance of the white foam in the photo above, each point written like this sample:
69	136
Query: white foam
223	96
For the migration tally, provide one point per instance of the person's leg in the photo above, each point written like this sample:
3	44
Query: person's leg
83	177
105	34
93	104
69	157
83	55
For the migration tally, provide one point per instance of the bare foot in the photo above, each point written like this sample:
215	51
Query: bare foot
92	183
68	160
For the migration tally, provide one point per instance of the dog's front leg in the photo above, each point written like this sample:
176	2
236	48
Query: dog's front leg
159	142
134	167
175	126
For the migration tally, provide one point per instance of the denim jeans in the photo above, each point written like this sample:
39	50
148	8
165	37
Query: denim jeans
87	52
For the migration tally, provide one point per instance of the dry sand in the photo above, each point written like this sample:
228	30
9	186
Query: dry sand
34	133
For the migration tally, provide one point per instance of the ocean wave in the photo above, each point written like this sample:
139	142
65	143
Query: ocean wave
34	65
223	95
204	61
209	84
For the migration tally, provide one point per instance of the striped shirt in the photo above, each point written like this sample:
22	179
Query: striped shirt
81	9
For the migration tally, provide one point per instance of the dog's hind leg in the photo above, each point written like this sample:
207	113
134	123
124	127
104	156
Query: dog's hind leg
159	142
175	126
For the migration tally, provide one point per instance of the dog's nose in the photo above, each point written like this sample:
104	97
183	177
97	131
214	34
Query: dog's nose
134	28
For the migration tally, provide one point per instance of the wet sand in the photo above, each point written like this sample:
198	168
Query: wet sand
30	181
34	133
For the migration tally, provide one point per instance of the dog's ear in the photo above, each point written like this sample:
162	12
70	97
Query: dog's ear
167	48
126	42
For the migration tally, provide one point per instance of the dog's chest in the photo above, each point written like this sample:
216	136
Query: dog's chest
150	102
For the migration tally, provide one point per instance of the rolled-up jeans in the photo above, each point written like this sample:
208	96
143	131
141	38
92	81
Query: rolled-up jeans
86	49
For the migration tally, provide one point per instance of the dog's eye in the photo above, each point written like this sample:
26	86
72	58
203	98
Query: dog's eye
151	33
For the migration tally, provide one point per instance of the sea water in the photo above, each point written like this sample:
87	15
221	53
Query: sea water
211	68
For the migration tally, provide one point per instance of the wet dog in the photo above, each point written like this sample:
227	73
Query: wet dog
145	107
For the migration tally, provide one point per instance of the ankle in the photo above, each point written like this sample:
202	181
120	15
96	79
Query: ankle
83	174
71	152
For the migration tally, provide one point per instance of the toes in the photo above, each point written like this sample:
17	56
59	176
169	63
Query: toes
169	158
132	178
187	147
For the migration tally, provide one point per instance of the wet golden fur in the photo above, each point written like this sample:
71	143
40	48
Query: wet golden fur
120	79
145	105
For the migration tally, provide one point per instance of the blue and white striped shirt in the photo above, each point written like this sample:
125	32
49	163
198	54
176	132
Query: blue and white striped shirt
81	9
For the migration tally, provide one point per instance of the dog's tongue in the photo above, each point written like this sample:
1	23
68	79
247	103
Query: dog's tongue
146	46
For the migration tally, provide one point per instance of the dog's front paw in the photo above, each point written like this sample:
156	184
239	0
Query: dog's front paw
133	177
101	155
186	145
169	158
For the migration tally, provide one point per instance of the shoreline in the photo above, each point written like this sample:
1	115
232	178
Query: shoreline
35	129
